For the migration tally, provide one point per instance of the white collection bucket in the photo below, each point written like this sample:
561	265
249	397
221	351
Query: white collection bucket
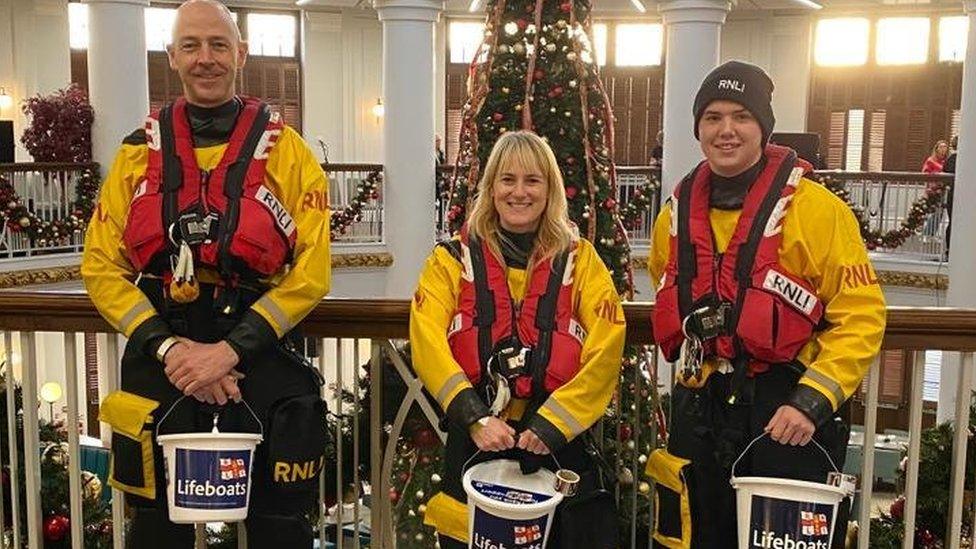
507	508
208	475
787	514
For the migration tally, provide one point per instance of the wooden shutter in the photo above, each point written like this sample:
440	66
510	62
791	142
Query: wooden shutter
91	383
918	139
835	140
79	68
876	140
891	386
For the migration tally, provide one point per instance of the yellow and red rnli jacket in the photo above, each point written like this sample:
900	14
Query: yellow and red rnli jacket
235	224
293	176
488	318
822	246
771	314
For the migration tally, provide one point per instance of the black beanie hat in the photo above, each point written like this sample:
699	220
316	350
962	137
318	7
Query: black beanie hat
743	83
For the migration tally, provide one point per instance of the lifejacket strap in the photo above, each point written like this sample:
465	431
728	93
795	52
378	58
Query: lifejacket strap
466	408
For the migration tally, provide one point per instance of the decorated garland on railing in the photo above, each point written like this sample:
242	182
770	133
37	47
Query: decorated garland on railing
365	191
49	232
639	203
926	204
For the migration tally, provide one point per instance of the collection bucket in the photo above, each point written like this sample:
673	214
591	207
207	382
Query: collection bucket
507	508
788	514
208	475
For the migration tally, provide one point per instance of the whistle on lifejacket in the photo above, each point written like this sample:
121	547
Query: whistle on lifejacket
184	287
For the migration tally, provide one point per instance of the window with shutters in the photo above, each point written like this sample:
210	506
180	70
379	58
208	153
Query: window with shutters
876	140
952	38
891	386
855	140
272	73
835	140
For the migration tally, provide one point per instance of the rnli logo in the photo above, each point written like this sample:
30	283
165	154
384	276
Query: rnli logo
286	472
211	479
281	216
796	295
731	85
576	330
859	275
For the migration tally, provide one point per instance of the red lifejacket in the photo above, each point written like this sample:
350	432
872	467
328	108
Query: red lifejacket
488	318
773	313
233	222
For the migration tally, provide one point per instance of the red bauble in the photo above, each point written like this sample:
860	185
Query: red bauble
625	432
538	74
897	509
571	192
425	438
570	160
394	495
55	527
522	23
566	6
498	117
610	203
403	477
425	460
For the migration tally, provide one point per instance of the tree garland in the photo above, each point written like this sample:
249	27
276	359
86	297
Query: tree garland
366	191
639	203
926	204
50	232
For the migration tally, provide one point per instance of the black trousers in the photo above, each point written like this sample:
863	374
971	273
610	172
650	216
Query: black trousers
711	433
276	512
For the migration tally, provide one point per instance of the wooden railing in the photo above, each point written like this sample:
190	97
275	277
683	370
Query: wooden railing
336	323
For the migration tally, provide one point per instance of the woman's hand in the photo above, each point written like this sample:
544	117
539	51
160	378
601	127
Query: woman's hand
494	436
530	442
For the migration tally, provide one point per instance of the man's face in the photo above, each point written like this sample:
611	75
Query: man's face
730	138
206	52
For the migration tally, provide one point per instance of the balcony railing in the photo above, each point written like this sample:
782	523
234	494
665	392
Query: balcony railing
341	326
48	191
886	199
351	184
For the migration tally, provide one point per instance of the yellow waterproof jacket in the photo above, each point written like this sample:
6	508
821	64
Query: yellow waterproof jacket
568	411
821	244
293	176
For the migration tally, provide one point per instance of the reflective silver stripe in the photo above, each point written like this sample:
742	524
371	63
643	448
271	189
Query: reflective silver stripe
828	384
449	385
133	313
557	409
279	316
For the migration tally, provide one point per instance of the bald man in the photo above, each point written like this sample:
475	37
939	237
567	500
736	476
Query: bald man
209	244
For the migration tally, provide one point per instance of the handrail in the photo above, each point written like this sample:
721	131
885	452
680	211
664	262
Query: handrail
22	167
914	177
944	328
344	167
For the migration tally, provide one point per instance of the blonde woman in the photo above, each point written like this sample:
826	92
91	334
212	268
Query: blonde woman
517	331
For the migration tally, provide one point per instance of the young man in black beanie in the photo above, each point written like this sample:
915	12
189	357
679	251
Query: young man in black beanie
772	313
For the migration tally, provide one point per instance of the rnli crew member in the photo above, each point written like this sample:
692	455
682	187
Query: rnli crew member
516	329
768	305
210	242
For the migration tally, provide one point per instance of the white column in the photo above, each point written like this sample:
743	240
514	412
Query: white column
118	81
693	29
408	136
962	254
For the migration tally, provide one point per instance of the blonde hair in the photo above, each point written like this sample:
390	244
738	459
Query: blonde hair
935	148
524	148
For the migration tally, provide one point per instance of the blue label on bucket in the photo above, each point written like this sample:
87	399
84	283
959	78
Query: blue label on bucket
507	494
211	479
491	532
786	524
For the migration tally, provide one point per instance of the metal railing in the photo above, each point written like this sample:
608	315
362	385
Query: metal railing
886	198
347	331
48	191
347	183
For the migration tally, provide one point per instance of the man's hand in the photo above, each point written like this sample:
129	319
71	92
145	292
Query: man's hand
495	436
192	366
790	426
223	390
531	442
